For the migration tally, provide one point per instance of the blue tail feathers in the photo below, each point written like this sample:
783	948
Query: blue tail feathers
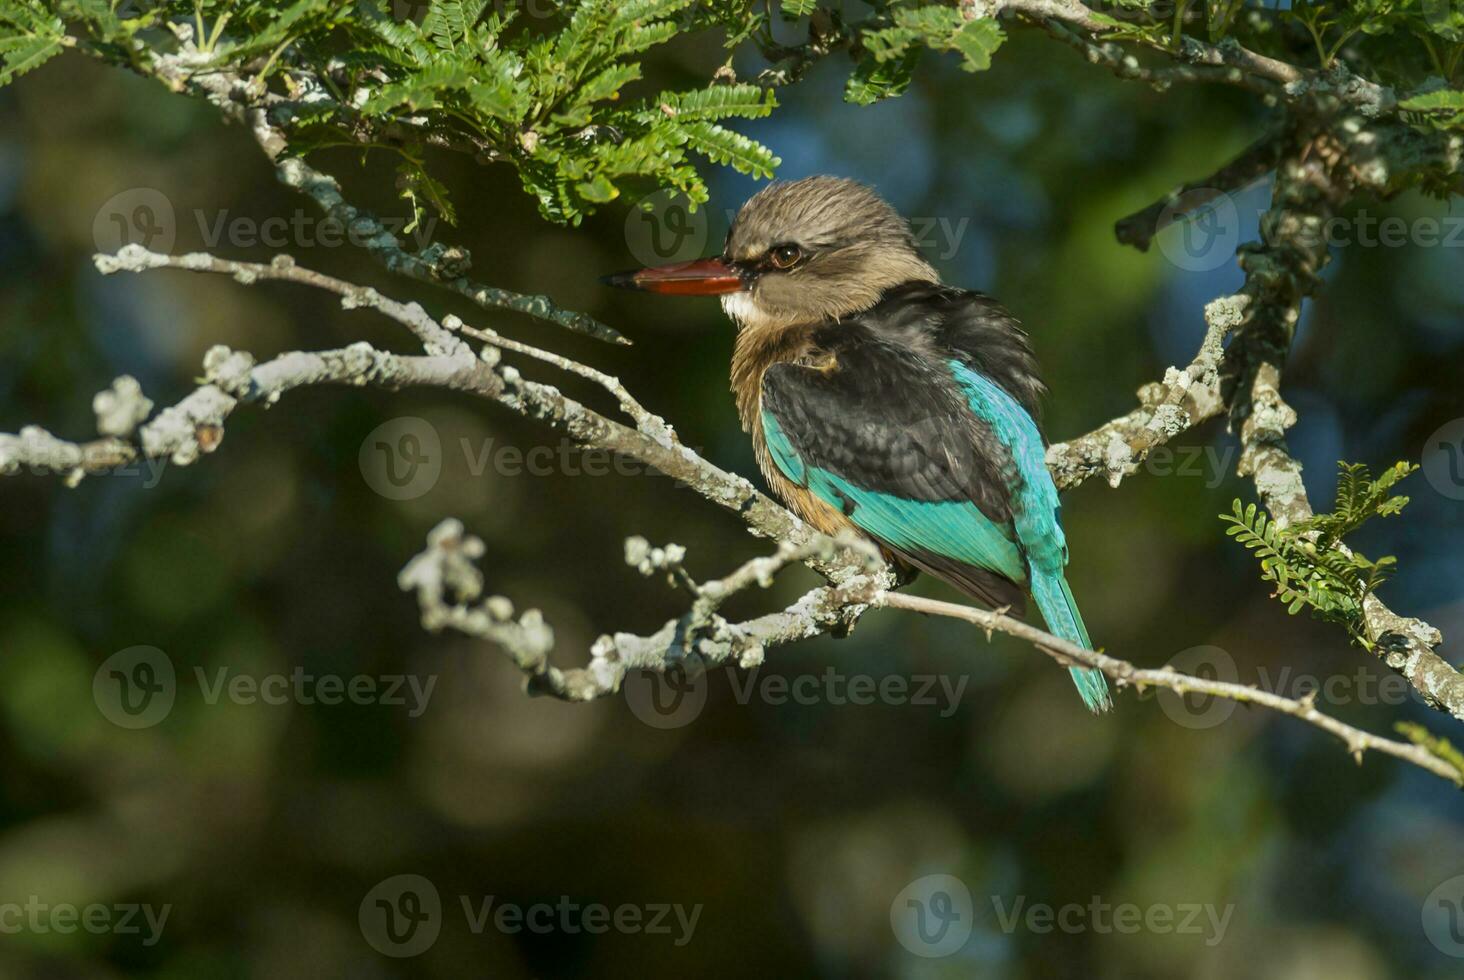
1060	610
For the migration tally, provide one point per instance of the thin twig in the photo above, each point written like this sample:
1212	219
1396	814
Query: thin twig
1126	674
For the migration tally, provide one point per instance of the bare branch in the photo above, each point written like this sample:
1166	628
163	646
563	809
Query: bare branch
1259	159
645	421
1248	65
1121	62
436	264
434	337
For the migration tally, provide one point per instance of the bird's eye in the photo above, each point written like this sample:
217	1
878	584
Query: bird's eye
785	256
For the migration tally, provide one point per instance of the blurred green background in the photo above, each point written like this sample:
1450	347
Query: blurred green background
794	826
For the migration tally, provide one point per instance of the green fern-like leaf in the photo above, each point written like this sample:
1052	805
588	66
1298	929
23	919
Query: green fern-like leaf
724	146
977	42
721	102
29	37
874	79
449	23
1306	561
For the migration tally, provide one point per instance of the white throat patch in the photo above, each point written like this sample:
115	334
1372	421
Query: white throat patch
745	312
740	307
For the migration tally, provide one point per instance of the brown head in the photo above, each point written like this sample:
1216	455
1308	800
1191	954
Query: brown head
800	252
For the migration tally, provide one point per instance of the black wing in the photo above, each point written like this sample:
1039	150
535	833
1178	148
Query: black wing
888	420
969	325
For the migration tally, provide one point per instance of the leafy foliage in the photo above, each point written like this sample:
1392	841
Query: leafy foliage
1443	108
29	37
557	91
1308	563
892	51
544	94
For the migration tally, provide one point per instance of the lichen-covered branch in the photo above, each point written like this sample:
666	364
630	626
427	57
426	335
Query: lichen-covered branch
1246	67
193	427
449	589
1281	271
1184	399
1117	59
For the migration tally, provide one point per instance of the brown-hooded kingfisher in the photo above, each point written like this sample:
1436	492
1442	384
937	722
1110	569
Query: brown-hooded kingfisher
880	399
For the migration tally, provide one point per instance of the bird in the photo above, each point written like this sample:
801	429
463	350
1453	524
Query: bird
882	400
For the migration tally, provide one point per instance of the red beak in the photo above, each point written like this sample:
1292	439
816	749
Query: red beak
704	277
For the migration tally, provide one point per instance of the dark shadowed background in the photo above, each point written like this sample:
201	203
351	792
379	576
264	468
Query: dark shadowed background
1170	839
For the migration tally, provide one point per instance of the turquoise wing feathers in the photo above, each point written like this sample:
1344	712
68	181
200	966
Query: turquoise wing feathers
902	469
1037	516
956	529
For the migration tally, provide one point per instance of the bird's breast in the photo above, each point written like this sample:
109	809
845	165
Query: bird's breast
757	350
809	508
